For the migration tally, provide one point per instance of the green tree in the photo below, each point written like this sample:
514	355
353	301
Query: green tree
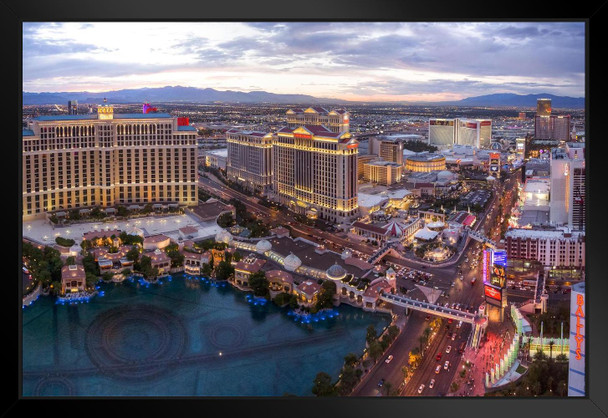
70	261
350	359
371	334
325	299
375	350
225	220
259	284
323	385
90	279
133	254
224	270
177	258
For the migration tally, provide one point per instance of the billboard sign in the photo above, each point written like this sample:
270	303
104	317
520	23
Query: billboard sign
499	257
486	265
498	275
493	293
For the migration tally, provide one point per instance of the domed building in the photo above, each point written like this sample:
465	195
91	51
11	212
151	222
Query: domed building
425	162
335	272
223	236
262	246
291	262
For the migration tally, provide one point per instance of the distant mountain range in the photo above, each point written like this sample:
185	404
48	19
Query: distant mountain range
518	100
171	94
180	94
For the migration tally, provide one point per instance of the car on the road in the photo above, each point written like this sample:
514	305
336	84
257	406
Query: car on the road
426	318
381	382
453	336
388	359
450	320
438	357
438	369
448	349
431	383
459	324
421	388
446	365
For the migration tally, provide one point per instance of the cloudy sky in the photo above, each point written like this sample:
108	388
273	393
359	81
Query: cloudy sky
348	60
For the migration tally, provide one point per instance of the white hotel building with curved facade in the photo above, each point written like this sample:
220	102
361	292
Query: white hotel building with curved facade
106	159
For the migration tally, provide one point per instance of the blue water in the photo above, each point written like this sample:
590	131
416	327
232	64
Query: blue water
186	337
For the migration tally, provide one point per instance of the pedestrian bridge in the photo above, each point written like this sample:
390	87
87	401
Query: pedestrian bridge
429	308
478	236
477	321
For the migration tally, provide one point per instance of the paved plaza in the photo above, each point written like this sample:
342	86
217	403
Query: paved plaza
41	231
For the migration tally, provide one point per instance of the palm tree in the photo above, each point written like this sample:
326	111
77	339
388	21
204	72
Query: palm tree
551	344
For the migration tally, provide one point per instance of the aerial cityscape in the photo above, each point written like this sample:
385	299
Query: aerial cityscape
312	209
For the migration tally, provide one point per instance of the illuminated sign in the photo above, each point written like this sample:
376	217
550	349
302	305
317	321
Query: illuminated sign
494	155
498	275
578	337
303	136
492	293
487	256
499	258
352	146
486	123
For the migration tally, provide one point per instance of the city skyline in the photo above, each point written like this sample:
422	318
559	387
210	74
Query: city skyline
368	61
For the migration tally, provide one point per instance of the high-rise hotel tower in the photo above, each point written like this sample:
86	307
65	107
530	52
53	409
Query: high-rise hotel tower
249	159
103	160
314	161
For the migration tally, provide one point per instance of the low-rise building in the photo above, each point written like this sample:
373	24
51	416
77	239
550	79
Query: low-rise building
156	242
307	292
73	279
279	281
160	260
193	262
245	268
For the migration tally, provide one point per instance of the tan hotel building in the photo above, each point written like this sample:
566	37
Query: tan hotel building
335	120
315	171
249	159
79	161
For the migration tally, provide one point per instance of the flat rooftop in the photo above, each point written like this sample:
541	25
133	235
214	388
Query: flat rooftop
309	257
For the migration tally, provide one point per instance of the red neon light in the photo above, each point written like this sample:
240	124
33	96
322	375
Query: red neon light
351	146
578	337
302	136
492	293
183	121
